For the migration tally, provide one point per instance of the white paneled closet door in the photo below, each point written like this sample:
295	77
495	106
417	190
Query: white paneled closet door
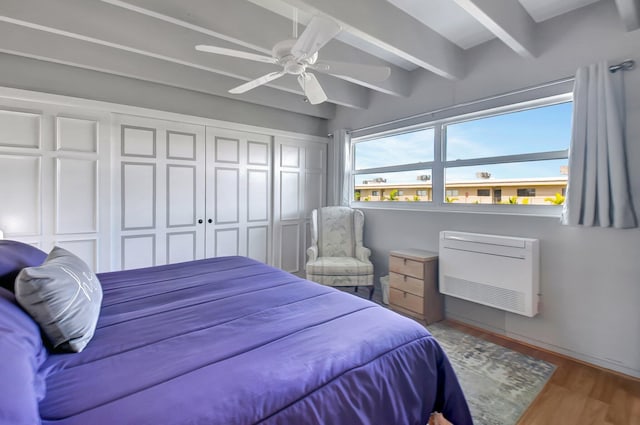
238	194
54	174
159	189
299	187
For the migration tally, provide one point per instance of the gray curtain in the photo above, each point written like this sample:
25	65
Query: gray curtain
598	191
343	143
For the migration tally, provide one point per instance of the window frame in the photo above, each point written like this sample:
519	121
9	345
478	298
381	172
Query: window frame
439	164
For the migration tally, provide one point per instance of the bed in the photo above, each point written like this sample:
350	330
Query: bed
231	341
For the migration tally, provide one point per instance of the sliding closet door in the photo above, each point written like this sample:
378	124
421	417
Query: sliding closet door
299	187
238	194
54	165
159	190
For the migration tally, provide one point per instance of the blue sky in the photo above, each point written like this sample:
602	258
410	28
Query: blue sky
534	130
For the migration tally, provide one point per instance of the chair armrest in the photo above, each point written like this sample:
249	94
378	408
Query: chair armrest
362	253
312	253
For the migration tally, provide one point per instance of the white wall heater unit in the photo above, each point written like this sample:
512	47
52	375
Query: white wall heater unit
498	271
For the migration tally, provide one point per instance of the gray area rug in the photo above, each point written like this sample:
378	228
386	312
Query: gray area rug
499	383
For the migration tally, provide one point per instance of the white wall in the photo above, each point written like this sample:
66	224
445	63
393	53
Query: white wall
48	77
590	278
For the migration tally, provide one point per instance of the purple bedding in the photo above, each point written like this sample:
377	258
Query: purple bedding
233	341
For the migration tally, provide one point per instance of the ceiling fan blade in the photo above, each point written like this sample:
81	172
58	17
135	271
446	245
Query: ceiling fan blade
312	89
319	31
257	82
371	73
235	53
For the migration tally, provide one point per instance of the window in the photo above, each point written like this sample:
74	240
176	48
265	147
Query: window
526	192
516	154
508	149
396	164
375	193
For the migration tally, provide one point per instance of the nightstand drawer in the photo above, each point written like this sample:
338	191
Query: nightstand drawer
406	266
406	300
406	283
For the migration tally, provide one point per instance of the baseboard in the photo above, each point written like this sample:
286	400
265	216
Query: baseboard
559	352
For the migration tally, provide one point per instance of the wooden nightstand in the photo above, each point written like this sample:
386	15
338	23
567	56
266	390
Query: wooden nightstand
413	284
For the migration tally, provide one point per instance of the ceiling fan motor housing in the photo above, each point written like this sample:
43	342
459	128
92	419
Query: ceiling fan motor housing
282	52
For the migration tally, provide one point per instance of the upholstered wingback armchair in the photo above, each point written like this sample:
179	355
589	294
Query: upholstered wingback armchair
336	256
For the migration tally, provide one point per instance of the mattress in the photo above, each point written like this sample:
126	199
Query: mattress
233	341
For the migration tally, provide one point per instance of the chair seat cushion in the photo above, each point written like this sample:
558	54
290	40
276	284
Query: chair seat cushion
360	280
339	266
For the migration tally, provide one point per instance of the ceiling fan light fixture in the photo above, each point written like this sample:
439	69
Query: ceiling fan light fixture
295	68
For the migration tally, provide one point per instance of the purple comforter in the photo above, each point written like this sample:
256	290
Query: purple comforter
233	341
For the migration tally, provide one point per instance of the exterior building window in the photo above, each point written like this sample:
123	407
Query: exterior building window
526	192
514	154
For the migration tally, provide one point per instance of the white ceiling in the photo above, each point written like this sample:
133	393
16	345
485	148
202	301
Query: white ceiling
154	39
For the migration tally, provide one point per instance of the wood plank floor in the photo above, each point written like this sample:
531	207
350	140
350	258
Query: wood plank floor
577	393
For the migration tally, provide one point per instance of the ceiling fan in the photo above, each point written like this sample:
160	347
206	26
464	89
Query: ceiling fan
297	56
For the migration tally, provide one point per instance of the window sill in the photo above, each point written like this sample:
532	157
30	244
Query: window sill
550	211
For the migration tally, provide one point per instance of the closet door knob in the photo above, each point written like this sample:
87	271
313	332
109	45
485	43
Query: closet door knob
200	221
209	221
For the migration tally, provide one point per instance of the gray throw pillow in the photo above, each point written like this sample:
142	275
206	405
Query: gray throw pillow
63	296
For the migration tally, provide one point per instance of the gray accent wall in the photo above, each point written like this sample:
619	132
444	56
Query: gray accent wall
590	277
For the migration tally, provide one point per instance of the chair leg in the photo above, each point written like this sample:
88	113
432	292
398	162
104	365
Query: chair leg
371	291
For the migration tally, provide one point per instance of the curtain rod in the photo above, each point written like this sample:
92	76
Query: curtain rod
626	65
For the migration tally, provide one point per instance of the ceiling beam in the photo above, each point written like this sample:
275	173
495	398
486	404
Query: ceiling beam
507	20
237	26
629	11
27	42
92	22
393	30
